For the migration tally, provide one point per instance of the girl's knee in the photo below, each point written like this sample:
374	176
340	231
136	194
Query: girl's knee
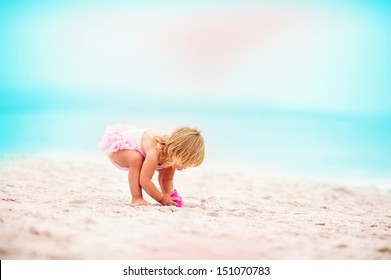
136	160
128	158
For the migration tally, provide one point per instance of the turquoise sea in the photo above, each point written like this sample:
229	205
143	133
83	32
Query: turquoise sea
321	144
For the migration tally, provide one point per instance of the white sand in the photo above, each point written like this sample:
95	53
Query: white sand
52	209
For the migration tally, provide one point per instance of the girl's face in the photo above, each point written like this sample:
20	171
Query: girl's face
178	165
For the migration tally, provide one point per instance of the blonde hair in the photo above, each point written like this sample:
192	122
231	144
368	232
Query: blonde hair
185	146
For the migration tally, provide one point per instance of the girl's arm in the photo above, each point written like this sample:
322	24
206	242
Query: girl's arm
166	180
147	171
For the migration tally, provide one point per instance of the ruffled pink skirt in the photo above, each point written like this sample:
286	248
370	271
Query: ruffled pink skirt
114	140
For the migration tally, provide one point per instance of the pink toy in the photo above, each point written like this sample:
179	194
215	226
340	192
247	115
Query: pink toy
178	202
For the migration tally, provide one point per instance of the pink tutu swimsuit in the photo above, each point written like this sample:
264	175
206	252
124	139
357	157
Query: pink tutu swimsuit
123	137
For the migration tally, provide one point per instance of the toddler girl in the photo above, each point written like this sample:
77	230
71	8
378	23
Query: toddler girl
142	152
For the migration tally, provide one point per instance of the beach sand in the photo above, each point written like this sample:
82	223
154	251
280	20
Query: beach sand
75	209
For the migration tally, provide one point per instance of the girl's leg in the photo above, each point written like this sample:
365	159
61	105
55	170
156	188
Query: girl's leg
165	179
134	161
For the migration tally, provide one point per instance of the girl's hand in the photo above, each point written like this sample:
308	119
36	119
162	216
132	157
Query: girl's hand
169	201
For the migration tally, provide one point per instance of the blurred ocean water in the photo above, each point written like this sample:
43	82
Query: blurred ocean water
334	145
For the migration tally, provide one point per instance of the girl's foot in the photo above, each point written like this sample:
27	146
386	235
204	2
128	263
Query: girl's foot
139	202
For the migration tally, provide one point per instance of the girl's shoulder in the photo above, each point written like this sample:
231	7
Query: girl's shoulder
149	144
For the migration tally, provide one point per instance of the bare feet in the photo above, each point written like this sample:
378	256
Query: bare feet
139	202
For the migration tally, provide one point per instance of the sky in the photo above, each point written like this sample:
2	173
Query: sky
297	55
